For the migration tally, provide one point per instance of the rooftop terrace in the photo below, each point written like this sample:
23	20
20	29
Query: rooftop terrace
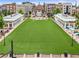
65	18
12	17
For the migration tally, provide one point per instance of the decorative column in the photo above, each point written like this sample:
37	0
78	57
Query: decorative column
12	24
69	24
65	25
74	25
8	25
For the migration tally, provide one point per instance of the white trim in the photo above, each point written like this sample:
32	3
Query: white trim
65	18
12	17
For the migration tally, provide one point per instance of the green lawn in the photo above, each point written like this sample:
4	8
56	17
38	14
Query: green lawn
42	36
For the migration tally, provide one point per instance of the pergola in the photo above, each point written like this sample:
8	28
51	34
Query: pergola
12	20
65	20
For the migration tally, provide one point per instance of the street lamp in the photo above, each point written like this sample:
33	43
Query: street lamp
11	52
65	54
72	38
4	38
38	54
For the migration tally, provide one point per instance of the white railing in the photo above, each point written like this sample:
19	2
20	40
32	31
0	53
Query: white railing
42	56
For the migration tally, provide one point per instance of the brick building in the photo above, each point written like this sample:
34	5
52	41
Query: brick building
10	7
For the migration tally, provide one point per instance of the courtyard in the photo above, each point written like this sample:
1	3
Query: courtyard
43	36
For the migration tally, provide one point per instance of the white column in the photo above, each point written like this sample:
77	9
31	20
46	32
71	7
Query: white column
65	25
50	55
35	55
8	56
69	55
62	55
69	24
40	55
24	56
8	25
74	25
12	24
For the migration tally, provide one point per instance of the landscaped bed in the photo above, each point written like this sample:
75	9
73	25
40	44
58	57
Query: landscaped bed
43	36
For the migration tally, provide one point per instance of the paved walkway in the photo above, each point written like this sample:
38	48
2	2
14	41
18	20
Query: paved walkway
39	18
2	38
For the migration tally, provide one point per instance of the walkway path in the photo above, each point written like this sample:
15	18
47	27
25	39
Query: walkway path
39	18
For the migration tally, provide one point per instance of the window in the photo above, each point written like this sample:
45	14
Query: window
10	25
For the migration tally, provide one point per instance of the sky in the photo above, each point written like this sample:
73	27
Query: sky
39	1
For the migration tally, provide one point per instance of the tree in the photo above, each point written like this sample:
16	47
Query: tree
30	12
8	12
56	10
4	12
77	23
49	14
0	13
1	22
21	11
77	15
25	2
73	14
2	27
11	52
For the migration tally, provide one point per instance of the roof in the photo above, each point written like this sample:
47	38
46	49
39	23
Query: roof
67	3
39	7
12	17
10	4
65	18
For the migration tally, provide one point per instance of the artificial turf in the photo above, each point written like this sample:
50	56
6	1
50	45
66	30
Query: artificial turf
43	36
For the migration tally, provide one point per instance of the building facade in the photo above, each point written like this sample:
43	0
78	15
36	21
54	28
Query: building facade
2	7
26	7
49	7
10	7
12	20
67	8
60	6
39	10
77	9
20	7
65	21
